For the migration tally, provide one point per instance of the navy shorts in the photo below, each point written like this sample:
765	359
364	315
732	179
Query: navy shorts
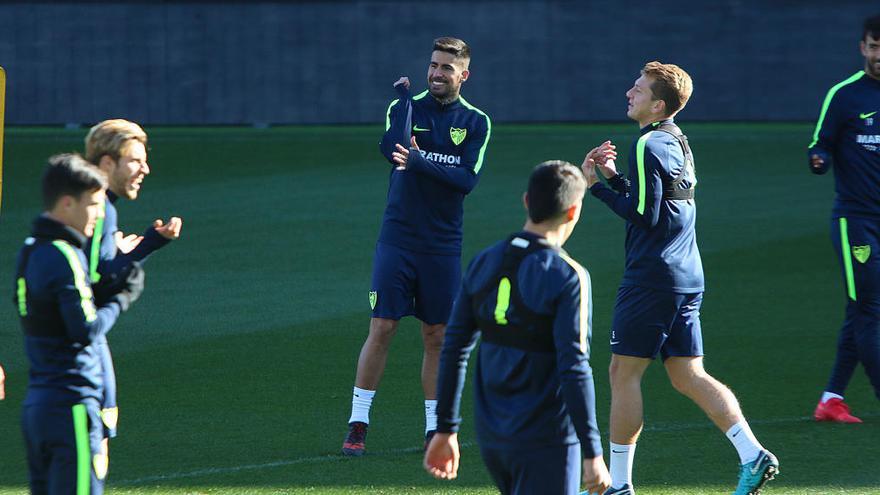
553	470
408	283
64	449
649	321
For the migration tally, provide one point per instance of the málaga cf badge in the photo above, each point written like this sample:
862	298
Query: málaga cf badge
373	297
862	253
457	135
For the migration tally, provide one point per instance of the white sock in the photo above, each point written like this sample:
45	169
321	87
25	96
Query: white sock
742	438
430	415
826	396
361	401
622	464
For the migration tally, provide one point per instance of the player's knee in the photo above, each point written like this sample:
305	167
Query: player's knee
432	336
382	330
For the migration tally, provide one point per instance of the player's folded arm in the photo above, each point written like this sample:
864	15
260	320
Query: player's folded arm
82	320
462	178
398	127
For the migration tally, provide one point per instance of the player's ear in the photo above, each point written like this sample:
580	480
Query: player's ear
570	213
465	74
526	201
106	163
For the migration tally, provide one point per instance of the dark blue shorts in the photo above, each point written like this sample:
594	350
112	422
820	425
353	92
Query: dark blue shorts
408	283
649	321
64	449
555	470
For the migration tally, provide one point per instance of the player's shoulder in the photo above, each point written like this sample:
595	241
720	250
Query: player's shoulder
483	117
845	88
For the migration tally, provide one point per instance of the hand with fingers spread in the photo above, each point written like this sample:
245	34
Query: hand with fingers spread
127	243
402	154
171	230
442	456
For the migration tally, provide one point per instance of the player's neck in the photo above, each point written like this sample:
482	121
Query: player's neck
867	70
555	234
447	100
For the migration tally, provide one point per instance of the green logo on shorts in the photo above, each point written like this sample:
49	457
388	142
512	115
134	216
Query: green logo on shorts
457	135
373	297
861	253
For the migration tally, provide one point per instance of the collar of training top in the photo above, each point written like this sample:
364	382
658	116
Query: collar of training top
46	228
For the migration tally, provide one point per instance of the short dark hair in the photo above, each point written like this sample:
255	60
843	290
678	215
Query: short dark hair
872	27
554	186
455	46
69	174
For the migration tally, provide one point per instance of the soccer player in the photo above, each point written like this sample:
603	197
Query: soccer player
658	304
61	417
534	393
436	143
848	135
118	148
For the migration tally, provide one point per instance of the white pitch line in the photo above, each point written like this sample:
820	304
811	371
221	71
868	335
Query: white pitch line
411	450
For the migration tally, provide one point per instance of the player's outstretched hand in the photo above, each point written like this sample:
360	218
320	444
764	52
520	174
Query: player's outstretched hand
596	477
403	80
170	230
2	384
402	154
442	455
127	243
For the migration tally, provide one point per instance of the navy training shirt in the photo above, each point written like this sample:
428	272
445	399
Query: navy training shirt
524	399
661	239
63	322
425	205
848	135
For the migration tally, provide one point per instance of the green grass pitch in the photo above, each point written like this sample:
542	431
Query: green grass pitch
235	368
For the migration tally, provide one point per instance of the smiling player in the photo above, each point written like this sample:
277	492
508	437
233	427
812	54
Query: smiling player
436	143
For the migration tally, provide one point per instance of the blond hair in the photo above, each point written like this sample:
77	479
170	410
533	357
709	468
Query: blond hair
111	137
671	84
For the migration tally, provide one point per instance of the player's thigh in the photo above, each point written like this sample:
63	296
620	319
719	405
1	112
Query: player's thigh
551	470
856	243
496	462
642	318
437	284
392	288
685	337
38	458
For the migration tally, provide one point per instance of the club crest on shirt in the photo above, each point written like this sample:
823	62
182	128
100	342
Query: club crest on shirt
374	296
861	253
457	135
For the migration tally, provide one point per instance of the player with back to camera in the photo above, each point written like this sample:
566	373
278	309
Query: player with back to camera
530	303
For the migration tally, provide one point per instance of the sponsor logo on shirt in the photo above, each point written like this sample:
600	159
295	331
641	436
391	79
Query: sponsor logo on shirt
868	139
441	158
